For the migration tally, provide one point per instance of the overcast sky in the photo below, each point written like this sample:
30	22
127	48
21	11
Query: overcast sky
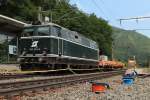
112	10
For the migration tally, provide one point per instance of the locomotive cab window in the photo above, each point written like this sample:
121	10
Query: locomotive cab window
35	31
43	31
28	32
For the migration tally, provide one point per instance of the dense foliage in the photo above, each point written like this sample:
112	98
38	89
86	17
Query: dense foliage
64	14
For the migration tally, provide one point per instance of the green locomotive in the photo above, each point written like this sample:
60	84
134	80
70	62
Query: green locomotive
51	46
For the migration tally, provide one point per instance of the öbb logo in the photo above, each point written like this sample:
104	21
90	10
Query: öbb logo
34	44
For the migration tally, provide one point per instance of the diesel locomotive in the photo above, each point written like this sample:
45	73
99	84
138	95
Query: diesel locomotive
50	46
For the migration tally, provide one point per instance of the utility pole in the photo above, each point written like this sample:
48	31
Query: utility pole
7	49
39	14
149	61
51	16
112	52
128	53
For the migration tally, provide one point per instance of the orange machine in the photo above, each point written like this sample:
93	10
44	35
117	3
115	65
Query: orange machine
105	63
111	64
99	87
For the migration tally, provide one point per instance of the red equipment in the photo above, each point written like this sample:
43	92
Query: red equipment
99	87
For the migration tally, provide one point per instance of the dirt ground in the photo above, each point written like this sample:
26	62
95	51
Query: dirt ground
9	67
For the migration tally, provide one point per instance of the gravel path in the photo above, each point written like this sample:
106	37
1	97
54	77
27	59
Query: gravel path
4	68
140	90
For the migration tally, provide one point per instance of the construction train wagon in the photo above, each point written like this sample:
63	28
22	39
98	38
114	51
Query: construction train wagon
107	64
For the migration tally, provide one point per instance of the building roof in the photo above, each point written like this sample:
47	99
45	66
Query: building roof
10	25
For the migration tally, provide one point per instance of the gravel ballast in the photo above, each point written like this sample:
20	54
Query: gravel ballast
140	90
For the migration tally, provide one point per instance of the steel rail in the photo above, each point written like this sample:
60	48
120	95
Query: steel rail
34	74
144	76
29	75
56	78
16	76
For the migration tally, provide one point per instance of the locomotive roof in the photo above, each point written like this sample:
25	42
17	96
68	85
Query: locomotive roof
44	24
49	23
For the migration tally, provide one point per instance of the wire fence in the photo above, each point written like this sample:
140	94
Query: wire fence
5	56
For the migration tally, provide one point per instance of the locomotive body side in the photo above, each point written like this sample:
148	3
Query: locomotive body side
52	44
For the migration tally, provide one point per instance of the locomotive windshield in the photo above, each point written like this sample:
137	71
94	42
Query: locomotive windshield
27	32
36	31
41	31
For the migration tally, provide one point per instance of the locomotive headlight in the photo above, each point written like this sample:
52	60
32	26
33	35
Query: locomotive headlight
24	52
40	59
20	60
32	60
44	53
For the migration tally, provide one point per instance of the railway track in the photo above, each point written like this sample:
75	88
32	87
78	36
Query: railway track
8	89
31	74
16	76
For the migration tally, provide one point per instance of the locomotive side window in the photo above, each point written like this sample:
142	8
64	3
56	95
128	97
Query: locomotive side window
76	36
56	31
43	31
85	41
65	34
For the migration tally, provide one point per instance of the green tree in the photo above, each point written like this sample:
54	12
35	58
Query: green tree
64	14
